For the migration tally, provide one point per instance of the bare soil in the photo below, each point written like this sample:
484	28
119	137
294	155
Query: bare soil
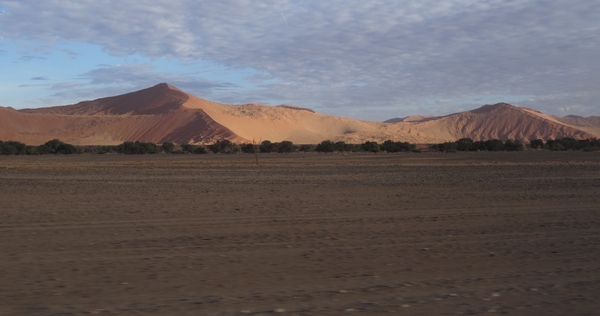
303	234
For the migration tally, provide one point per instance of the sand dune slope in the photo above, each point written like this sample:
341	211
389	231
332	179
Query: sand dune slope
165	113
589	124
499	121
177	126
155	100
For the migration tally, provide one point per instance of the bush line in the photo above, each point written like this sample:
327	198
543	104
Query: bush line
224	146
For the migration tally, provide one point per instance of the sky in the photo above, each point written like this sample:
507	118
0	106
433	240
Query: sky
370	60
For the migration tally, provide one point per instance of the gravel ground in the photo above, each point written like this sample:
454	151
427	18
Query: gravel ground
301	234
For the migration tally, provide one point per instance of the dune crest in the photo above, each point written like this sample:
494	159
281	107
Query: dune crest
165	113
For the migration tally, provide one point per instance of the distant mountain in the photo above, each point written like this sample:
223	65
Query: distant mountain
165	113
412	118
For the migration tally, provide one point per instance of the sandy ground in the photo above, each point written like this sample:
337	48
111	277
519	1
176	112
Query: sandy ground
304	234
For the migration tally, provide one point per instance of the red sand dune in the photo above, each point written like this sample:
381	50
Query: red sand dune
165	113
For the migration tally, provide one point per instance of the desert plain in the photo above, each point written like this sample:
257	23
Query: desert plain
302	234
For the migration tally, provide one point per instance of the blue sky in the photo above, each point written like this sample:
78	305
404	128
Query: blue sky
370	60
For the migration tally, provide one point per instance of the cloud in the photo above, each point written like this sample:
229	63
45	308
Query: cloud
32	85
110	80
315	51
28	58
144	76
39	78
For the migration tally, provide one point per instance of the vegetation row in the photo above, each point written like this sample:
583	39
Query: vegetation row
56	146
562	144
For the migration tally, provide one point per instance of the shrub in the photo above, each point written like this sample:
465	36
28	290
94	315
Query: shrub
188	148
554	145
342	146
133	148
467	144
98	149
285	147
306	148
248	148
536	144
371	147
192	149
593	144
357	148
56	147
233	149
494	145
31	150
167	147
445	147
464	144
223	146
513	145
394	147
12	148
199	150
325	146
266	146
479	145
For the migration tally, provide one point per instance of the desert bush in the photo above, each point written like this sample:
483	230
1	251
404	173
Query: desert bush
306	148
167	147
342	146
513	145
569	143
357	148
536	144
285	147
464	144
248	148
494	145
554	145
444	147
224	146
266	146
325	146
394	147
31	150
192	149
479	145
371	147
138	148
12	148
56	147
590	144
233	149
100	150
467	144
189	148
199	150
